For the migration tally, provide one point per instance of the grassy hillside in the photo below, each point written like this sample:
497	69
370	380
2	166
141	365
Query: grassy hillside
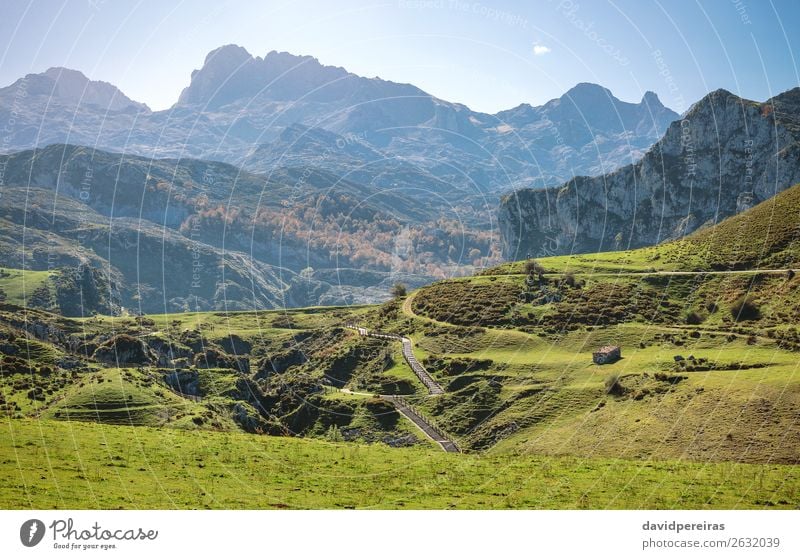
82	465
281	373
701	411
767	236
22	288
707	326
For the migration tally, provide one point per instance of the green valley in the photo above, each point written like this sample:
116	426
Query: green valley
299	409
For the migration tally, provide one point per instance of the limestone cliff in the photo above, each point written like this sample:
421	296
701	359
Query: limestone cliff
723	156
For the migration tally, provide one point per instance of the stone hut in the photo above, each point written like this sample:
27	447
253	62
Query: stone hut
607	354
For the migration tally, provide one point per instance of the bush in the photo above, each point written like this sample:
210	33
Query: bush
614	386
694	318
569	279
532	268
399	290
745	308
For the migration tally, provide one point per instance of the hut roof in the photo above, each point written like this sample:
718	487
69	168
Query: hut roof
608	349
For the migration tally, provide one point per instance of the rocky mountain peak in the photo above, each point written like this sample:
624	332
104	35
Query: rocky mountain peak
73	88
651	100
586	92
229	56
230	73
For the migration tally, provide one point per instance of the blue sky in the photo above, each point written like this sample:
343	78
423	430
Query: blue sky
489	55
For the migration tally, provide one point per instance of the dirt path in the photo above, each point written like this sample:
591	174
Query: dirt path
646	273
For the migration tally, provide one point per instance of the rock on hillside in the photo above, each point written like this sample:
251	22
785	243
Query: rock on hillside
724	156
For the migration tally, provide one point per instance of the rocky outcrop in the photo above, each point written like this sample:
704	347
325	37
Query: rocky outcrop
184	382
122	350
213	358
725	155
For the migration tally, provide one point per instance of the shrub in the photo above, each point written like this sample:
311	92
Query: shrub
694	318
399	290
532	267
569	279
745	308
613	385
712	307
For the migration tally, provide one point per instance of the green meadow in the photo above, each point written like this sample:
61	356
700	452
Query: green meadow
60	464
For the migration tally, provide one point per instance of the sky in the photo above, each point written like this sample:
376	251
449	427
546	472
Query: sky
488	55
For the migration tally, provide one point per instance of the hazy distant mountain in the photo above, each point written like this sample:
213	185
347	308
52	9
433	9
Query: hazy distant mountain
587	131
238	105
726	155
68	88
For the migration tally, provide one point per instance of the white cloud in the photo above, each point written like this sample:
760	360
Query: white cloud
540	50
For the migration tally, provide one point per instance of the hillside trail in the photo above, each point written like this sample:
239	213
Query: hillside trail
408	310
433	432
408	354
628	273
400	403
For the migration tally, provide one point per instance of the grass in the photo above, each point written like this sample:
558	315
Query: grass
51	465
766	236
549	398
20	285
123	397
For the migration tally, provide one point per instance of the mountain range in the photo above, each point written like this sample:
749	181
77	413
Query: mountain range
179	234
237	106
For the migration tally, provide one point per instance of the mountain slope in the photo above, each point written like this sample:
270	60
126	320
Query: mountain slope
765	236
350	240
707	326
150	268
724	156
